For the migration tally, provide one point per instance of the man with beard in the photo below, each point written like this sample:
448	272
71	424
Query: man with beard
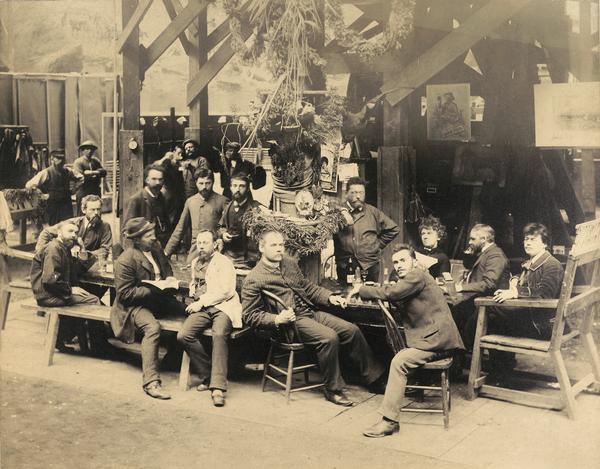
92	170
428	324
232	163
200	212
173	189
55	182
138	303
149	203
324	332
192	161
238	246
363	240
489	271
216	306
54	272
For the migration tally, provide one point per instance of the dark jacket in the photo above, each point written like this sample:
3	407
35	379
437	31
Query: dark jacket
371	232
242	245
198	214
426	317
96	239
130	269
153	209
283	282
489	272
542	278
91	183
443	263
226	170
54	271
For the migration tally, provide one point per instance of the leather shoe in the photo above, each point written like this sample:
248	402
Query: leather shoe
202	387
338	398
218	398
154	389
382	428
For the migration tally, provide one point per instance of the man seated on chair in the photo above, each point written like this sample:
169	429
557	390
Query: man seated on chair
54	270
280	274
216	306
541	277
428	325
137	303
239	247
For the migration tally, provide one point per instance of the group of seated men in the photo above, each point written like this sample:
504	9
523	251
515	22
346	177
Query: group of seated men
221	245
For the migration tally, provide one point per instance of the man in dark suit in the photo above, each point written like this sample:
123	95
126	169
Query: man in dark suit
489	271
281	275
150	204
137	303
429	328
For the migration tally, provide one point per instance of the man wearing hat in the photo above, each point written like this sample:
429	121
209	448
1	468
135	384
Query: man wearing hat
92	170
138	304
232	162
191	162
242	250
54	182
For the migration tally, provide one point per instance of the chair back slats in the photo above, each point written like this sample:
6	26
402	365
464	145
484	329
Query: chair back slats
393	331
289	332
583	300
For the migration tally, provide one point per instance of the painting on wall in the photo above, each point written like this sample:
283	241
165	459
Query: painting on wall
330	156
448	112
567	114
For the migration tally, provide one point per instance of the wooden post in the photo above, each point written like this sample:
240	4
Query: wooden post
71	119
131	176
199	106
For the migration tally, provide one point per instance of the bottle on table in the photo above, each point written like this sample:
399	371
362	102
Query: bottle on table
350	272
386	276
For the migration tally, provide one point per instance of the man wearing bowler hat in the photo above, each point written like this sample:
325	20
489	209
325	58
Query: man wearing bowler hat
92	170
54	181
138	303
191	161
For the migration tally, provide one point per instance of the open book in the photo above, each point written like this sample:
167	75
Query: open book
425	261
170	283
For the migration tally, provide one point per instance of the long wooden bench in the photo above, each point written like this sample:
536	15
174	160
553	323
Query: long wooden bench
102	313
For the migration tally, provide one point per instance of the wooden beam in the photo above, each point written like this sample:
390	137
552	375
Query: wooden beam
131	71
192	29
222	31
199	106
133	23
183	37
172	32
214	65
479	24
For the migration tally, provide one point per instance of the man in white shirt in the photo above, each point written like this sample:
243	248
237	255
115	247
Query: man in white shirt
217	306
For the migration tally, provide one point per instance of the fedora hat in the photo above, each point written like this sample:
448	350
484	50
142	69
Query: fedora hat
136	227
190	140
88	144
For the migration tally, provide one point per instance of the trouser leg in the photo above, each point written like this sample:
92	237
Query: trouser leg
326	343
221	329
352	337
146	323
188	336
405	362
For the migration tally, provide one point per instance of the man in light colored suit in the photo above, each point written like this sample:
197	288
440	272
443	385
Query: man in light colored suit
217	306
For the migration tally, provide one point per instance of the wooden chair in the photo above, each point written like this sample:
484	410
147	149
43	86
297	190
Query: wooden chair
287	345
439	363
585	251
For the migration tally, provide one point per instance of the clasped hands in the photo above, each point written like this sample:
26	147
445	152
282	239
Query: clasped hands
194	307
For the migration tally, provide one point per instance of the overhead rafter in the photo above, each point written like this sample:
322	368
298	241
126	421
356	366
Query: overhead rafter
133	23
173	11
448	49
172	32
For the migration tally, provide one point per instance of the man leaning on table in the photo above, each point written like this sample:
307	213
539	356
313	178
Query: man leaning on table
428	326
137	304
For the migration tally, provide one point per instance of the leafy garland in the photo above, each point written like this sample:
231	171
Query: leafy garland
300	238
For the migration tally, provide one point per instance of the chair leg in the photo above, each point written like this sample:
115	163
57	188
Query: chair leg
290	375
475	371
566	391
184	372
446	399
266	368
588	342
51	337
5	295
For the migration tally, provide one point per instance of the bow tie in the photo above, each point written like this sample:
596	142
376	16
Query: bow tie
526	265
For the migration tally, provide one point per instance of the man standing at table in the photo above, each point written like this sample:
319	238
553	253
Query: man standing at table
54	272
150	203
242	250
55	182
216	306
325	332
363	240
429	328
91	169
138	304
200	212
489	272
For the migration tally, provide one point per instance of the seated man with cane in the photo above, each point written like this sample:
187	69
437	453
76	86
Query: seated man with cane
428	325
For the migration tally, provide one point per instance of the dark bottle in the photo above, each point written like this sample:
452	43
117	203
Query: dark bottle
350	272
